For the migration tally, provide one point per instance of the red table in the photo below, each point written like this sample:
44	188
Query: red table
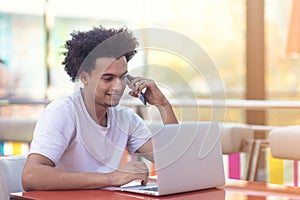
234	189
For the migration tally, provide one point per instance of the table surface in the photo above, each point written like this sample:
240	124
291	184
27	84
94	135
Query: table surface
234	189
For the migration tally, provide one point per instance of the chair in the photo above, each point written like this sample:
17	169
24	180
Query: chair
11	168
284	142
235	137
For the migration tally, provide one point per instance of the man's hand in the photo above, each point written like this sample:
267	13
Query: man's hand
133	170
152	94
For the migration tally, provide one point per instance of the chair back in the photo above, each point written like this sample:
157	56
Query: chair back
11	168
284	142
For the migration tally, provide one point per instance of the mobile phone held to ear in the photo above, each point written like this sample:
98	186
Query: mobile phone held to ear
141	95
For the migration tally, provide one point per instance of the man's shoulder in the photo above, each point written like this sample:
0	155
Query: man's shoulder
62	103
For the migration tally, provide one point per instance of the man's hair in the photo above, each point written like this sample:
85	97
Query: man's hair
85	47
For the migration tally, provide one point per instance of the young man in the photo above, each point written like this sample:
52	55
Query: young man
80	139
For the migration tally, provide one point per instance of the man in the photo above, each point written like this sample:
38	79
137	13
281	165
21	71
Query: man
80	139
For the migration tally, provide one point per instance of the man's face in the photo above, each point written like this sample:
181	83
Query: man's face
108	81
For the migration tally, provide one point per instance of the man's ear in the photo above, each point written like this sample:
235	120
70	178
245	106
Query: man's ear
84	77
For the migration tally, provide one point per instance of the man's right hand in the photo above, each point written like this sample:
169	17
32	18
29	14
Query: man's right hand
133	170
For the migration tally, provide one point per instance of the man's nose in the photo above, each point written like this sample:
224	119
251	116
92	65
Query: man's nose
118	84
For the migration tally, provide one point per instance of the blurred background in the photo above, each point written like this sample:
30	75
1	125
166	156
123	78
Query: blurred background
33	32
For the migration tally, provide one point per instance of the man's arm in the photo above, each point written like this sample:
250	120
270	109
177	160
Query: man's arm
167	114
40	174
146	150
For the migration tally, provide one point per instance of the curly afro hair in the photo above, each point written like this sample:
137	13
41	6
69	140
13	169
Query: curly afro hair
85	47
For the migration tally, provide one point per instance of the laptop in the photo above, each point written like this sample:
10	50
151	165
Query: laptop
188	157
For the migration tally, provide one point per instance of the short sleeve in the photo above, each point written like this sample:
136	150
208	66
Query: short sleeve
139	133
54	130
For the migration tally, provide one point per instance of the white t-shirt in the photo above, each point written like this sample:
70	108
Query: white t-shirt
67	135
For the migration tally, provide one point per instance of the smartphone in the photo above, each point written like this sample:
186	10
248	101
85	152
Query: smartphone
141	95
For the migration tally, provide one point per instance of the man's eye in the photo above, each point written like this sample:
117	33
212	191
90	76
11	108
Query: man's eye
108	79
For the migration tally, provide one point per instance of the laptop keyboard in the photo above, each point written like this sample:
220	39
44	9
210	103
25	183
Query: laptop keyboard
150	188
